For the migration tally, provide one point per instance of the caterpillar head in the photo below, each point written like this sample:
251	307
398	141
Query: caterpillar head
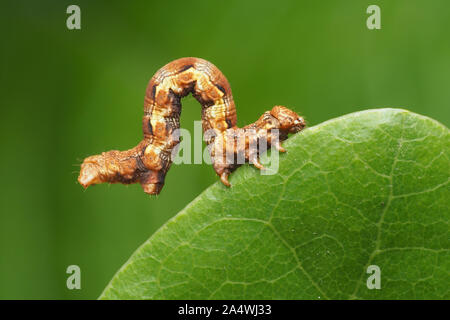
91	171
289	121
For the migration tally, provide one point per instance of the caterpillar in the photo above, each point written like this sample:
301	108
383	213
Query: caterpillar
149	161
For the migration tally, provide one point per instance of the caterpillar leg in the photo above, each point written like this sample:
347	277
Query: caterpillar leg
255	161
224	178
278	146
253	151
152	181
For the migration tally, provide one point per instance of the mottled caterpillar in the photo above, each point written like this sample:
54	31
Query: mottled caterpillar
149	161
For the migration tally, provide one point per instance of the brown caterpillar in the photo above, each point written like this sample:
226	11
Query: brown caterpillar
149	161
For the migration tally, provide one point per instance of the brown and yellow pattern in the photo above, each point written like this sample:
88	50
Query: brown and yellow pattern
149	161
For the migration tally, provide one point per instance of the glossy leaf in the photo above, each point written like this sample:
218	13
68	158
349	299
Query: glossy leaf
368	188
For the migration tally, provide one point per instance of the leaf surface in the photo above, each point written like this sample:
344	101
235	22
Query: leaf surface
368	188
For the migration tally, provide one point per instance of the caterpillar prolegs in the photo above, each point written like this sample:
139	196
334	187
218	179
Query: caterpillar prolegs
149	161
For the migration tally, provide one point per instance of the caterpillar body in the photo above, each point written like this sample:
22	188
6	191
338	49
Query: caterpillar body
149	161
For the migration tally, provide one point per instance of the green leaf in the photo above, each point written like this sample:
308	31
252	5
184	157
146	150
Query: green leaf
368	188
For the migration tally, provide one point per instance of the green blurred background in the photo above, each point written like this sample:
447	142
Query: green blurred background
67	94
